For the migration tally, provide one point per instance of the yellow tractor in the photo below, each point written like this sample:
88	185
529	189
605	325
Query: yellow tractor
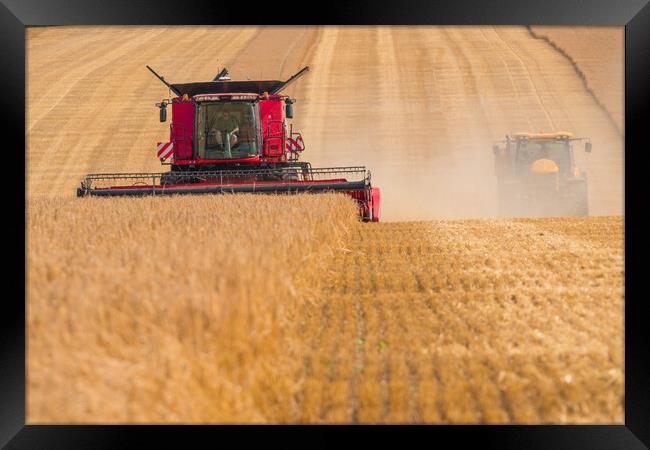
537	175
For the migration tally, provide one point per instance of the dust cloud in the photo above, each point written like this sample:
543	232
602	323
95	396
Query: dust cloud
437	181
421	107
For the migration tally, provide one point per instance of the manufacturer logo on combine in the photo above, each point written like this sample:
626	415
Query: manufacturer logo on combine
295	145
164	150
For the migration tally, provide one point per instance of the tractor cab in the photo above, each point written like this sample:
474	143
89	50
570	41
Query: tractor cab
554	148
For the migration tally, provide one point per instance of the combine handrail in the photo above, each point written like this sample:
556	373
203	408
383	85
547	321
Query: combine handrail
310	178
230	173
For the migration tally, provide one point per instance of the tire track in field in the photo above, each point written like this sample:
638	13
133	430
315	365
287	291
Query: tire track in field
360	336
385	370
579	72
310	395
530	78
359	360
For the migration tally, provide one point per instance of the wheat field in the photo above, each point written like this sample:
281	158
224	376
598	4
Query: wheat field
287	309
277	309
156	310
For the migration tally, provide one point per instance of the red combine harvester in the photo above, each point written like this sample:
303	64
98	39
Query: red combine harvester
232	137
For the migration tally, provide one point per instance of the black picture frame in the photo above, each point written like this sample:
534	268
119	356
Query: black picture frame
15	15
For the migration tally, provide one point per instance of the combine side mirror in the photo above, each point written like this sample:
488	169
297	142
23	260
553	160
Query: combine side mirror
163	110
289	109
588	147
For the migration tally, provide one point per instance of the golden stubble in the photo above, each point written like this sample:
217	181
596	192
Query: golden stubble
469	321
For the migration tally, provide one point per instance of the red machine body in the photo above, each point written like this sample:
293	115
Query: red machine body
273	131
234	136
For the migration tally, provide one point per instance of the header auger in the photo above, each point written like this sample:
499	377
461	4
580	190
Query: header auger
233	137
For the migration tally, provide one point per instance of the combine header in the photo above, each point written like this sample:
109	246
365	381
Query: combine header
232	137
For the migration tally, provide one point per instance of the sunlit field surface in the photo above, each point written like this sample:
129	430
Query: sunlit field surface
278	309
287	309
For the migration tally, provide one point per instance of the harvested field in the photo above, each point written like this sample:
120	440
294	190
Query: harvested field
474	321
419	106
313	320
287	309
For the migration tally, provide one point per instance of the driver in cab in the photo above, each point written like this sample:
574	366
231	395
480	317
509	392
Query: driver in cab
227	124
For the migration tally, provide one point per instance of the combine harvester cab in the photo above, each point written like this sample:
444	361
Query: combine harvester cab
537	175
233	137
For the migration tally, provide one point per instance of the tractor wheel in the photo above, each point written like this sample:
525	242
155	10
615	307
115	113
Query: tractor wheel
582	201
579	198
508	201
